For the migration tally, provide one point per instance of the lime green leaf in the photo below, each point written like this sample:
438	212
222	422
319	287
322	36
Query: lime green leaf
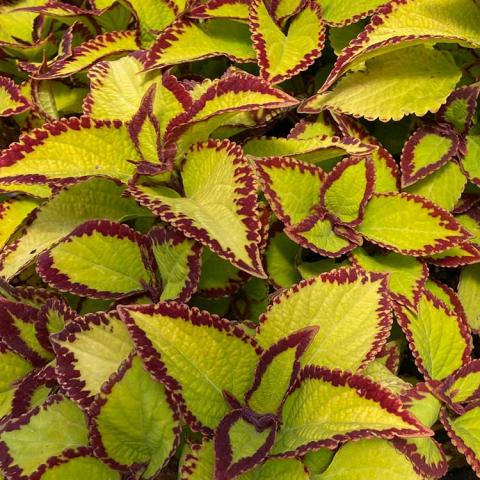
277	370
464	385
402	24
242	441
153	17
98	339
281	257
219	278
343	12
178	262
12	101
347	190
81	467
92	199
18	25
282	56
117	88
198	461
463	431
406	275
443	187
222	102
372	459
459	109
86	54
233	9
439	339
18	331
426	151
181	348
312	269
322	236
278	174
350	308
278	469
469	162
12	368
326	407
13	212
382	375
99	148
306	129
410	225
186	40
99	259
146	435
468	292
218	183
412	80
36	437
317	149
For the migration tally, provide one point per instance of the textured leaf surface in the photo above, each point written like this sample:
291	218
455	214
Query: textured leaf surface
186	40
278	175
178	262
282	56
470	161
410	225
99	259
438	338
93	199
351	309
27	443
374	459
464	385
133	420
342	12
87	466
469	292
319	235
99	148
443	187
12	214
97	339
218	183
463	431
317	149
406	278
168	337
327	407
412	80
277	370
425	152
90	52
347	190
12	101
404	23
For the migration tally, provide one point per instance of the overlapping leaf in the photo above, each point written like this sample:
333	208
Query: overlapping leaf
218	183
348	307
282	56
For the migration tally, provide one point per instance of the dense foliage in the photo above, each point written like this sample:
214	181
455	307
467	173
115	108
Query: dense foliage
308	170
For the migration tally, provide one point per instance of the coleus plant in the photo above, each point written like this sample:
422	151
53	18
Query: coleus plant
239	239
